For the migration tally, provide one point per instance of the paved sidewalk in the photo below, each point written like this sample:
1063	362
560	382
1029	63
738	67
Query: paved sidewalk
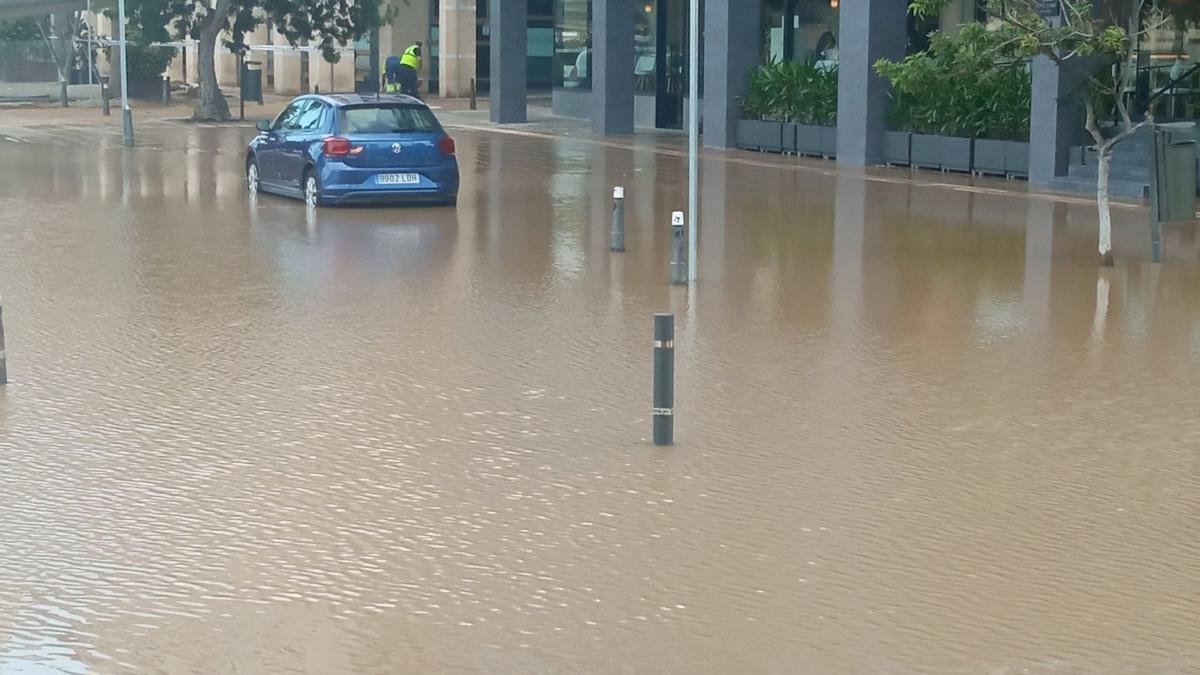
455	114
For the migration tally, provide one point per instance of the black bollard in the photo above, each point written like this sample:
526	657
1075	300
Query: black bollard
3	361
664	379
678	250
166	91
618	223
474	104
104	104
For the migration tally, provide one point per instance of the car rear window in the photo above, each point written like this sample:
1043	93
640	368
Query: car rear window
386	119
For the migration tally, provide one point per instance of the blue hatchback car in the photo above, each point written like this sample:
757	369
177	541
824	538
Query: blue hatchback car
349	149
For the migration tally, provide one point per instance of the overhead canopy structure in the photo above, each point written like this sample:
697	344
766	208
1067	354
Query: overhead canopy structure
14	9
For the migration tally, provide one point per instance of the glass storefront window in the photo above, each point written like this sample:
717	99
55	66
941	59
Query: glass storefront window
1168	62
573	44
645	44
800	30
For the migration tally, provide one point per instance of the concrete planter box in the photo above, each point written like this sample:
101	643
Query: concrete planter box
989	157
759	135
948	153
828	141
1001	158
811	140
808	140
1016	158
897	148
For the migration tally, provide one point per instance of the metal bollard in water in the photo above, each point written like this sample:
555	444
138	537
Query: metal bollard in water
127	127
678	250
664	379
618	224
3	361
105	106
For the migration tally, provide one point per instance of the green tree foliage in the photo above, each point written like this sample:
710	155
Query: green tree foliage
20	30
961	86
322	23
146	63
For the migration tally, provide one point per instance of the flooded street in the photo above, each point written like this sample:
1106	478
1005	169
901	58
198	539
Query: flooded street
918	429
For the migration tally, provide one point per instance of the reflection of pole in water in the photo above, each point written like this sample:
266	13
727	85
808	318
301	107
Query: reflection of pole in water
1039	257
849	232
1102	289
3	354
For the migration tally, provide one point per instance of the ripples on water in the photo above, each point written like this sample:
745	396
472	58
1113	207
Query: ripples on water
243	439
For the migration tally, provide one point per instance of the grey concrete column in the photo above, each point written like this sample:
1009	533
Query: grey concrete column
612	67
869	30
732	38
509	20
1056	117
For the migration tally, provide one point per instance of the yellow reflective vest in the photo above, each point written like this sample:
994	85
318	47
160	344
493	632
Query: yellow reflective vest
412	58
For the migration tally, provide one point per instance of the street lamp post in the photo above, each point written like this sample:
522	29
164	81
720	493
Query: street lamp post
88	21
126	112
693	134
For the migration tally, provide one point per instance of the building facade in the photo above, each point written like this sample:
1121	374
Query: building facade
622	64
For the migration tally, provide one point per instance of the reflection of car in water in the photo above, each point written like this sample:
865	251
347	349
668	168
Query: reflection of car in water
349	149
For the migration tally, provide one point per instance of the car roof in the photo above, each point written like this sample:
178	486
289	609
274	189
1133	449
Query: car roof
344	100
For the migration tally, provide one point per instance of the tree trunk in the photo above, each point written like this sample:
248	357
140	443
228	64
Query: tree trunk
58	41
212	106
1105	247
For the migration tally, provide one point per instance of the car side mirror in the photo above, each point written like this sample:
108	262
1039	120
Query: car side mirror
263	125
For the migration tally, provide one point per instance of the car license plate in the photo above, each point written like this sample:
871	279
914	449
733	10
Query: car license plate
398	179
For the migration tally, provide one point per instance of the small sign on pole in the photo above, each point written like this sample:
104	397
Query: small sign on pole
1049	9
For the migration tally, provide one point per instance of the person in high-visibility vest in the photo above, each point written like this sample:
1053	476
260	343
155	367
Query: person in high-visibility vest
391	75
410	66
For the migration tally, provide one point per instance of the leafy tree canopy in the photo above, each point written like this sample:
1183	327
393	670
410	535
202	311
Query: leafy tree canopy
323	23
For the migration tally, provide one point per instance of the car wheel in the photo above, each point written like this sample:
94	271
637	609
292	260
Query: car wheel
252	178
312	190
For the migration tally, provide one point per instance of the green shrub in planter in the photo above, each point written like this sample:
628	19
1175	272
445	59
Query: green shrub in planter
957	88
790	91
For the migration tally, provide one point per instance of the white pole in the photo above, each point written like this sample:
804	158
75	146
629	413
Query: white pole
126	111
693	134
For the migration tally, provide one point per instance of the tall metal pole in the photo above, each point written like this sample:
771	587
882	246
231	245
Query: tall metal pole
87	20
693	134
126	111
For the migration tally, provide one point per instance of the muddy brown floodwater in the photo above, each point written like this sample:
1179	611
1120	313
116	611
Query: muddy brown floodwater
919	431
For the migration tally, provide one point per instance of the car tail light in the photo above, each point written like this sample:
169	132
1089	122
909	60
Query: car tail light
446	145
336	147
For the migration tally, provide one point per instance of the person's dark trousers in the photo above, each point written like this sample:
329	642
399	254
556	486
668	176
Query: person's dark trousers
408	81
